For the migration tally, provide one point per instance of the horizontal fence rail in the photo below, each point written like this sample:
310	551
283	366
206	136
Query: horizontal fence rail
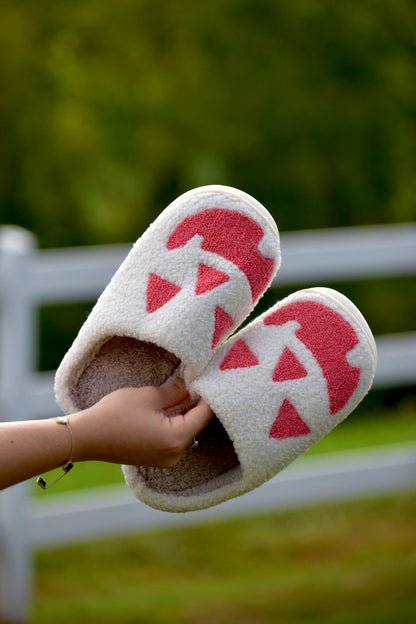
317	479
396	367
30	278
323	255
348	253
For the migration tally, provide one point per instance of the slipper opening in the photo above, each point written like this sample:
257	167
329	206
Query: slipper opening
202	469
121	362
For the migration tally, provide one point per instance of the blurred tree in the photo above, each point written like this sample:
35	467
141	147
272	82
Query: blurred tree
109	110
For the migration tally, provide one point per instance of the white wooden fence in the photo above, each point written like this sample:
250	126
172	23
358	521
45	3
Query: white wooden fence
30	278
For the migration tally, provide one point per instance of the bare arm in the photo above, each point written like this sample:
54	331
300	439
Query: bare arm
128	426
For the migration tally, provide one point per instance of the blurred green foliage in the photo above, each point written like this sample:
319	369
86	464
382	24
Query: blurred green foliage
109	109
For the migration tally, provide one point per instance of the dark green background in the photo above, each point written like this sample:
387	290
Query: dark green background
109	110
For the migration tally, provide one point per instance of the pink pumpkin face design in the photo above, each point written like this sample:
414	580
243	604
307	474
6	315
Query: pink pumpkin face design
233	236
229	234
329	337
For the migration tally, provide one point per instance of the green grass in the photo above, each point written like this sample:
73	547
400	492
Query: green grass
361	429
333	564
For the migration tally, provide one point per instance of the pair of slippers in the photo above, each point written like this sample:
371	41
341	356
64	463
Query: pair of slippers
276	387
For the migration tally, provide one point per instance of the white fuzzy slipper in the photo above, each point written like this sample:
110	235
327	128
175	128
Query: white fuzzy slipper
276	387
187	283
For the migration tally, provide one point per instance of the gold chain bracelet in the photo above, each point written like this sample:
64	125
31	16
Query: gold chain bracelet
61	420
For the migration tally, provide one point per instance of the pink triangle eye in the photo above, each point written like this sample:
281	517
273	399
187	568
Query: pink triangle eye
159	292
209	278
289	367
239	356
223	322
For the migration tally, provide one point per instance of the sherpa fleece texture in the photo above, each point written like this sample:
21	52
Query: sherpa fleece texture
186	285
276	387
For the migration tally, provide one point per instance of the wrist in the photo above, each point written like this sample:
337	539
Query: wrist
80	443
87	429
59	454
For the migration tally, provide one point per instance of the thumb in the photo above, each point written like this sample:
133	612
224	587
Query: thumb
172	393
194	420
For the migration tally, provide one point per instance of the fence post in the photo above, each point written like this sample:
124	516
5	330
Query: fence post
17	322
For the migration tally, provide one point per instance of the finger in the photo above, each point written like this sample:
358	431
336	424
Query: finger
172	393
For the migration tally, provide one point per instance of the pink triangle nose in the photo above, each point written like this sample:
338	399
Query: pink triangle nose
288	423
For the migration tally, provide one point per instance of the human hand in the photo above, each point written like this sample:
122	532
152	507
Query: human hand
130	426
